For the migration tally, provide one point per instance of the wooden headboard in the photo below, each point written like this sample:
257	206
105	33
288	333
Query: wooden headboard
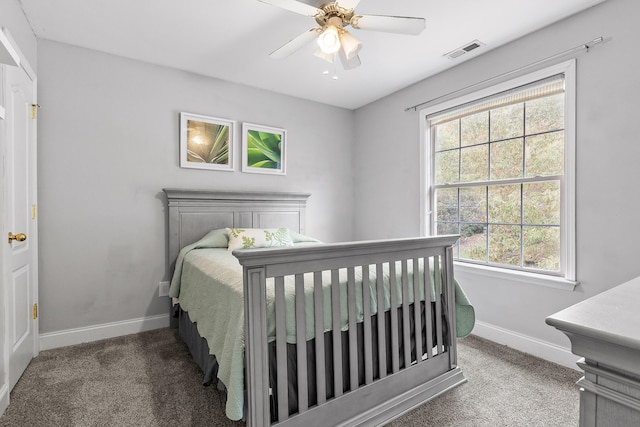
193	213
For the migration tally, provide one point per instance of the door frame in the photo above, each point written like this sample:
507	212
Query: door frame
33	237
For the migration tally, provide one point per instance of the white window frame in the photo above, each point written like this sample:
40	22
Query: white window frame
567	279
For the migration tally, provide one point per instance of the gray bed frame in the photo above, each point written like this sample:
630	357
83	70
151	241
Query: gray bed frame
402	381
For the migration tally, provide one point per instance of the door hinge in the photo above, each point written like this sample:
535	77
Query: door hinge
35	311
34	110
34	211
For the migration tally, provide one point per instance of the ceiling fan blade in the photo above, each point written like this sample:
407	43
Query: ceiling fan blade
295	44
389	24
348	4
349	64
295	6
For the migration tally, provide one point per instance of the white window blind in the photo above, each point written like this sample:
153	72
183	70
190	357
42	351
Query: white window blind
538	89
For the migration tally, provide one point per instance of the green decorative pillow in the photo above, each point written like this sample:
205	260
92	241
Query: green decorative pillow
246	238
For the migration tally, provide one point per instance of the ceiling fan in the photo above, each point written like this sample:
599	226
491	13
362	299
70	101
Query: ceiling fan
333	39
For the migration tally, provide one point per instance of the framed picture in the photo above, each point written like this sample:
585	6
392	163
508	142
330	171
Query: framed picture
263	149
206	142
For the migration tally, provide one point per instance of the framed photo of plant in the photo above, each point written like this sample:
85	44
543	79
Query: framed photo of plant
263	149
206	142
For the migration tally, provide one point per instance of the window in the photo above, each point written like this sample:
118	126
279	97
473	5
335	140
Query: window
499	171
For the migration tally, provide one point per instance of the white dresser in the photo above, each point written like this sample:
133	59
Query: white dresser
605	331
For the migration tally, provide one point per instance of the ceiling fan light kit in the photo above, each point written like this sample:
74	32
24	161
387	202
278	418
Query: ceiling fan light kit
332	37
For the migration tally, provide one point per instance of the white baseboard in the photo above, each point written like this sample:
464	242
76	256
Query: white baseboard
75	336
4	398
542	349
524	343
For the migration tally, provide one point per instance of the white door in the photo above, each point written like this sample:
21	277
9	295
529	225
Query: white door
20	234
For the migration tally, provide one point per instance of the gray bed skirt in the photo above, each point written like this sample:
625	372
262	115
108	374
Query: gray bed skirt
198	347
200	351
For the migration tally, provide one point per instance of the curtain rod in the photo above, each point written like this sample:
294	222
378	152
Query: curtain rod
584	46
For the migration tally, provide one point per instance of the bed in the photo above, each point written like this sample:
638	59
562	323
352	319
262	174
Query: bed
320	334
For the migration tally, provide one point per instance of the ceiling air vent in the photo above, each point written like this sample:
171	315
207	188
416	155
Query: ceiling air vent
456	53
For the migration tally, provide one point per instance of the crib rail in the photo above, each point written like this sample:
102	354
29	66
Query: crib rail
397	372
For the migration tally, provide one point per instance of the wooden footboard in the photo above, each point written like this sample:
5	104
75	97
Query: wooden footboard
405	378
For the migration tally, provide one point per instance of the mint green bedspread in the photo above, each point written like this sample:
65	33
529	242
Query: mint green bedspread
208	283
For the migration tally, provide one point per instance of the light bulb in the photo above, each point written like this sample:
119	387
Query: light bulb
329	40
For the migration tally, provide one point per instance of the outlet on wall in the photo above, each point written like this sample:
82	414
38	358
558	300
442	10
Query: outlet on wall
163	289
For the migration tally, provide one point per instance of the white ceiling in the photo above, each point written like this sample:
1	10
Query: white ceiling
232	39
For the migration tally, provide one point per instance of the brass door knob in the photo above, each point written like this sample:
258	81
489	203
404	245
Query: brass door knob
20	237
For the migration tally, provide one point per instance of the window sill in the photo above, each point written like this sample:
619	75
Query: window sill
519	276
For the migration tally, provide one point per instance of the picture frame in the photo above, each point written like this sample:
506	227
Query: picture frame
263	149
206	142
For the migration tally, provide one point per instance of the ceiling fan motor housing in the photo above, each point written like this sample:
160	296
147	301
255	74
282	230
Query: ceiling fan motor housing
332	10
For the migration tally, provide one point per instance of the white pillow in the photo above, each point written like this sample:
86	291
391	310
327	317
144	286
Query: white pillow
245	238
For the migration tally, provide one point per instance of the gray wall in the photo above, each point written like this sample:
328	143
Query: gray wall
12	18
608	175
108	144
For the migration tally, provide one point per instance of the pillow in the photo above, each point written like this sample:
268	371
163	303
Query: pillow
214	239
301	238
245	238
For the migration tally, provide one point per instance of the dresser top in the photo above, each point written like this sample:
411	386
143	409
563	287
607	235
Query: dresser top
612	316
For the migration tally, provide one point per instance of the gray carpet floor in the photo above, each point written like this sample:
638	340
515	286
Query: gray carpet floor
149	379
